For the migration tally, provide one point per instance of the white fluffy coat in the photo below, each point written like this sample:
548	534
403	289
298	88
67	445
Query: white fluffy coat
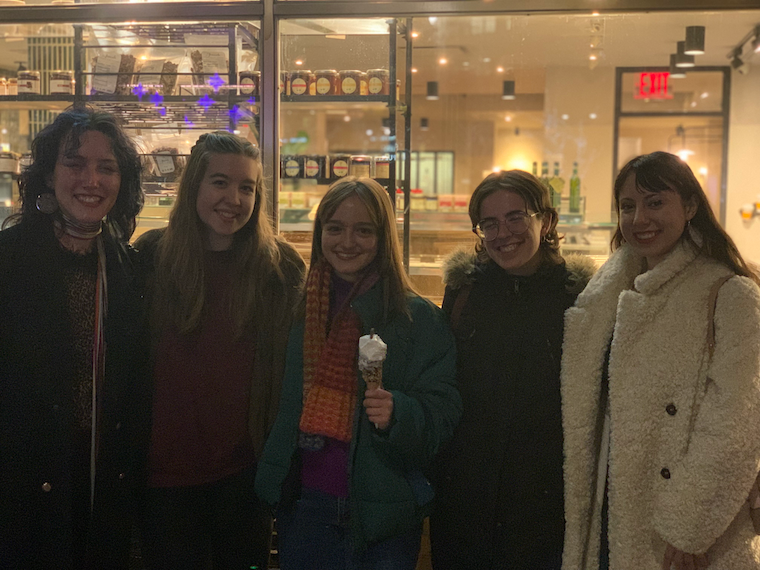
711	446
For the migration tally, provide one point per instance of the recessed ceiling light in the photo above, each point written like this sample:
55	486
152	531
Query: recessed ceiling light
443	61
500	69
565	117
704	95
414	70
486	60
592	116
299	62
465	64
415	34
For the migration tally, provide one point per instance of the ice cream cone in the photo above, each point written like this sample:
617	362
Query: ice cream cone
373	377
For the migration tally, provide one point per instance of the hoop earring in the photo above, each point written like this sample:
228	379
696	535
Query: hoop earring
46	203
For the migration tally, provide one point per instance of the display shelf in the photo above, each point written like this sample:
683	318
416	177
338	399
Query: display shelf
310	100
327	181
35	102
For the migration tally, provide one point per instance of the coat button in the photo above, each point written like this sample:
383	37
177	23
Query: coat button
665	473
671	409
46	487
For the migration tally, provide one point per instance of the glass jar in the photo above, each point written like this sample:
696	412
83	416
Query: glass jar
353	82
291	166
3	86
339	165
382	167
29	82
61	82
299	82
361	166
249	82
378	82
13	86
328	82
315	166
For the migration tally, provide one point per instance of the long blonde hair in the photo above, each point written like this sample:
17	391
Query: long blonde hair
180	291
389	264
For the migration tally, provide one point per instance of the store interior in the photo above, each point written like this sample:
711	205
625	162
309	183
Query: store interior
578	100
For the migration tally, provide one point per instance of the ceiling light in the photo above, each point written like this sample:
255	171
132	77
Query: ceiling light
592	116
594	13
443	61
683	60
414	70
486	60
508	90
432	20
565	117
299	62
500	70
432	91
415	34
508	118
465	64
695	40
704	95
675	72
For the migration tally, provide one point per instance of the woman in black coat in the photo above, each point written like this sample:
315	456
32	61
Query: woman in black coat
73	417
499	495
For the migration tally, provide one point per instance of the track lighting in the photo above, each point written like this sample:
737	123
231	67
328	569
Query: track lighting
682	59
695	40
675	71
432	91
737	57
508	90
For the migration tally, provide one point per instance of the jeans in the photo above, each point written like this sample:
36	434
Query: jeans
220	525
316	535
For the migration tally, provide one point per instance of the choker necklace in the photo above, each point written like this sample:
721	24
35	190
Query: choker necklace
77	229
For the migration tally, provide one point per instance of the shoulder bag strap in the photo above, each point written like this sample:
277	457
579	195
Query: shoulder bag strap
459	304
712	300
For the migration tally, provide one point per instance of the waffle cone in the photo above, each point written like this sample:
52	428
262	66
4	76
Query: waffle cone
373	377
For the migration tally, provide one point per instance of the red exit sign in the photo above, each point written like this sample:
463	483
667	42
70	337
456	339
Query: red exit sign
652	85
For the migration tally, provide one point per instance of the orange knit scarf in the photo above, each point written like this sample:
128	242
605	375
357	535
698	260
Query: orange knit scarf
329	358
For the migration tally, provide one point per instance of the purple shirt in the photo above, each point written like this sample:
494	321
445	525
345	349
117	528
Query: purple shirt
326	470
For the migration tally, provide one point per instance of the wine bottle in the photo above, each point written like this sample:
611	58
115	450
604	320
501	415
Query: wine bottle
575	191
556	184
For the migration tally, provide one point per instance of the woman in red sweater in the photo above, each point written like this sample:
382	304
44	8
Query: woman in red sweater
222	286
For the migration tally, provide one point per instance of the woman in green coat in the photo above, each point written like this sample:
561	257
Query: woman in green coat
346	462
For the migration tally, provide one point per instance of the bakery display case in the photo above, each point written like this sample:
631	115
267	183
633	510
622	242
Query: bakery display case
169	83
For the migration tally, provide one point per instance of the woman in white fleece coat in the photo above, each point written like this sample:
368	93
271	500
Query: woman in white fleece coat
676	433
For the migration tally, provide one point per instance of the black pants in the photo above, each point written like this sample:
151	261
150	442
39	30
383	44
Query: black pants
220	525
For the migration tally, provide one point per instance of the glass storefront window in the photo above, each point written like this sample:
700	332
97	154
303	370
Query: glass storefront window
169	83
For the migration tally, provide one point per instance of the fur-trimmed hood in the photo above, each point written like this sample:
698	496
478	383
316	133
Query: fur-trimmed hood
462	268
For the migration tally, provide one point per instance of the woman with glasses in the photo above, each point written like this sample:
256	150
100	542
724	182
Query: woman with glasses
499	482
661	387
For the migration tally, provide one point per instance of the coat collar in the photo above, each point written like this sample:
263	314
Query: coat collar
625	269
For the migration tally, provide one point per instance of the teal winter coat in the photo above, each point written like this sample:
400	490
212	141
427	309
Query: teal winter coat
387	487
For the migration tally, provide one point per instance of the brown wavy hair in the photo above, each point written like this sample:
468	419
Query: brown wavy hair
388	261
665	172
537	199
180	290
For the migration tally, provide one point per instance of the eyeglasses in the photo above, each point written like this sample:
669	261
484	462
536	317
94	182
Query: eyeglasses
516	223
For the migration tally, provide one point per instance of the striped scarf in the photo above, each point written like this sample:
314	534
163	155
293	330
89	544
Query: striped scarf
329	358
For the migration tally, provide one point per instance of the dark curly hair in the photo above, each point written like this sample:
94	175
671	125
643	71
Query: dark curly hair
68	128
536	197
